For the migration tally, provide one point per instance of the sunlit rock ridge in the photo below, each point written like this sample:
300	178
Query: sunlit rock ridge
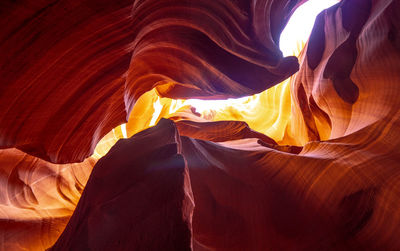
99	150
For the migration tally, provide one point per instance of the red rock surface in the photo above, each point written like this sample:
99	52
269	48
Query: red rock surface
220	131
91	60
135	199
72	71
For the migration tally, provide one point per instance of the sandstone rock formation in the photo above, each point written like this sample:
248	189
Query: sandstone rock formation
74	70
150	205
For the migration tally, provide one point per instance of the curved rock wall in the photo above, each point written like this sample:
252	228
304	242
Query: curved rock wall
73	71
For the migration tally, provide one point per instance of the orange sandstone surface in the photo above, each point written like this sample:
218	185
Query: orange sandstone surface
101	150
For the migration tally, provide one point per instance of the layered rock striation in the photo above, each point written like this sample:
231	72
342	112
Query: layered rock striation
71	72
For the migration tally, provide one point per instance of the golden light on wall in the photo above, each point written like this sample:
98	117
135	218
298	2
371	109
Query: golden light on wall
269	112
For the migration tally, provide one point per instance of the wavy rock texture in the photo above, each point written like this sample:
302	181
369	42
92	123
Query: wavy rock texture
93	59
37	199
73	71
220	131
332	195
62	60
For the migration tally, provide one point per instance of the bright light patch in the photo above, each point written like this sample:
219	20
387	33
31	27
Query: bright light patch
300	25
123	130
157	110
293	38
207	105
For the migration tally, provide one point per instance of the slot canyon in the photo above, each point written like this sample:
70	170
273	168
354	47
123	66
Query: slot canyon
103	146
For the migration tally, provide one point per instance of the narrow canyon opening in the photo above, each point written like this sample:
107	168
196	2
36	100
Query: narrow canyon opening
268	112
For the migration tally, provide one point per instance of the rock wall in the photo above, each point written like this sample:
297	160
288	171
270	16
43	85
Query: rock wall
72	71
